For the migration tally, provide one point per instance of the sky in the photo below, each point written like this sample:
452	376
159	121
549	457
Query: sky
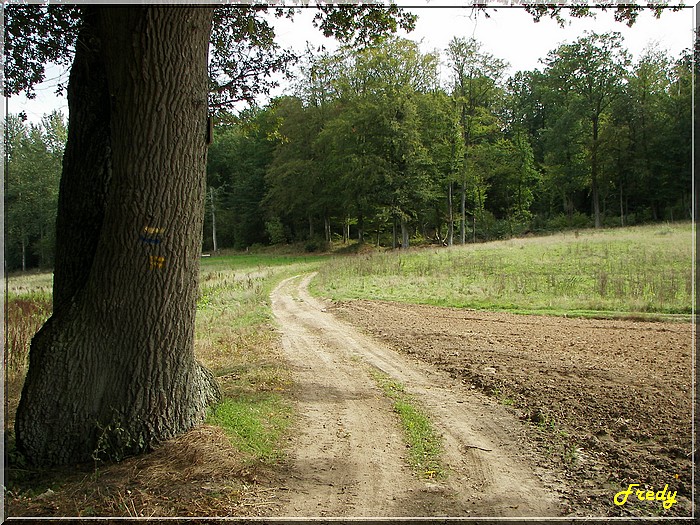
509	34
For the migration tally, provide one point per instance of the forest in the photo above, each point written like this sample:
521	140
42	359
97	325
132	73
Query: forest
393	146
377	146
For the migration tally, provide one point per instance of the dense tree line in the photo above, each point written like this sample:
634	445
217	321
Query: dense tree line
34	154
375	144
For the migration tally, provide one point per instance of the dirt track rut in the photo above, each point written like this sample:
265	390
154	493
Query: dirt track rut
349	454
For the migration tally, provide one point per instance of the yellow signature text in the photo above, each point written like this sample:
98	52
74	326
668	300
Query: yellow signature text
667	497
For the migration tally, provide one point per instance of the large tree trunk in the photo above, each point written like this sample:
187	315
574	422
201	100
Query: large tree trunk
113	370
86	165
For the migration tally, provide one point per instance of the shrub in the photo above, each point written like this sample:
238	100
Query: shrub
275	230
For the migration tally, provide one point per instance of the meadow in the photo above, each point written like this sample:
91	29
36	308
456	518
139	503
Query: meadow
641	271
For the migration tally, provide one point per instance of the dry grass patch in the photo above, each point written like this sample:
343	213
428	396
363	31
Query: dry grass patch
24	316
197	474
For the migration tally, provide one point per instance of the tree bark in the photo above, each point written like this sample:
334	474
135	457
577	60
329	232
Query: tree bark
327	228
450	217
595	193
24	255
622	208
463	226
404	233
86	165
361	228
113	370
213	221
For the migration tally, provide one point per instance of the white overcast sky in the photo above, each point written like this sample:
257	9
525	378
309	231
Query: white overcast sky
509	34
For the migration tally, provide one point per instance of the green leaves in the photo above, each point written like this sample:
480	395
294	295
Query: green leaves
31	189
37	35
373	139
363	25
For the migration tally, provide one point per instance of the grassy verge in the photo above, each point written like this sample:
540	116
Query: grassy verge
641	271
235	339
211	470
423	442
26	310
253	424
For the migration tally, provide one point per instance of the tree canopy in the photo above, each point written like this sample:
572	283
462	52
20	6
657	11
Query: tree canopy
373	139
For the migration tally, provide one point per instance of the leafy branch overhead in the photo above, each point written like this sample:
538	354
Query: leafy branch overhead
245	59
36	36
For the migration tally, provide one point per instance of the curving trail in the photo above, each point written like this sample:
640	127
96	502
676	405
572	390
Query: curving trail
349	456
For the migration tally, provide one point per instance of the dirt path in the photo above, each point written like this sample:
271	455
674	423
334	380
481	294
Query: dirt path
349	457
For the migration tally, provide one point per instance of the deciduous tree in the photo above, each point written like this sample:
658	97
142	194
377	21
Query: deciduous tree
113	370
590	73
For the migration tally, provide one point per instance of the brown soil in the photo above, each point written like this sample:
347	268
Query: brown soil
606	403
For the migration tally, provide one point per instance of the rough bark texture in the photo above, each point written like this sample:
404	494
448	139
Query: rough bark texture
113	370
86	167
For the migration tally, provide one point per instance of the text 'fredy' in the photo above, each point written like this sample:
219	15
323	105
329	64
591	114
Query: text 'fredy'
667	497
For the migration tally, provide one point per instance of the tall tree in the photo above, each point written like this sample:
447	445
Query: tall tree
441	134
659	131
590	72
293	177
113	370
237	162
476	77
31	189
388	163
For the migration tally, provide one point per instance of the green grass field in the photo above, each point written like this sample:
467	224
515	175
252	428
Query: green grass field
627	271
641	271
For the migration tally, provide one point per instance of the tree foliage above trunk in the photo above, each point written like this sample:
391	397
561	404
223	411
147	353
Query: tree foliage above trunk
113	370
